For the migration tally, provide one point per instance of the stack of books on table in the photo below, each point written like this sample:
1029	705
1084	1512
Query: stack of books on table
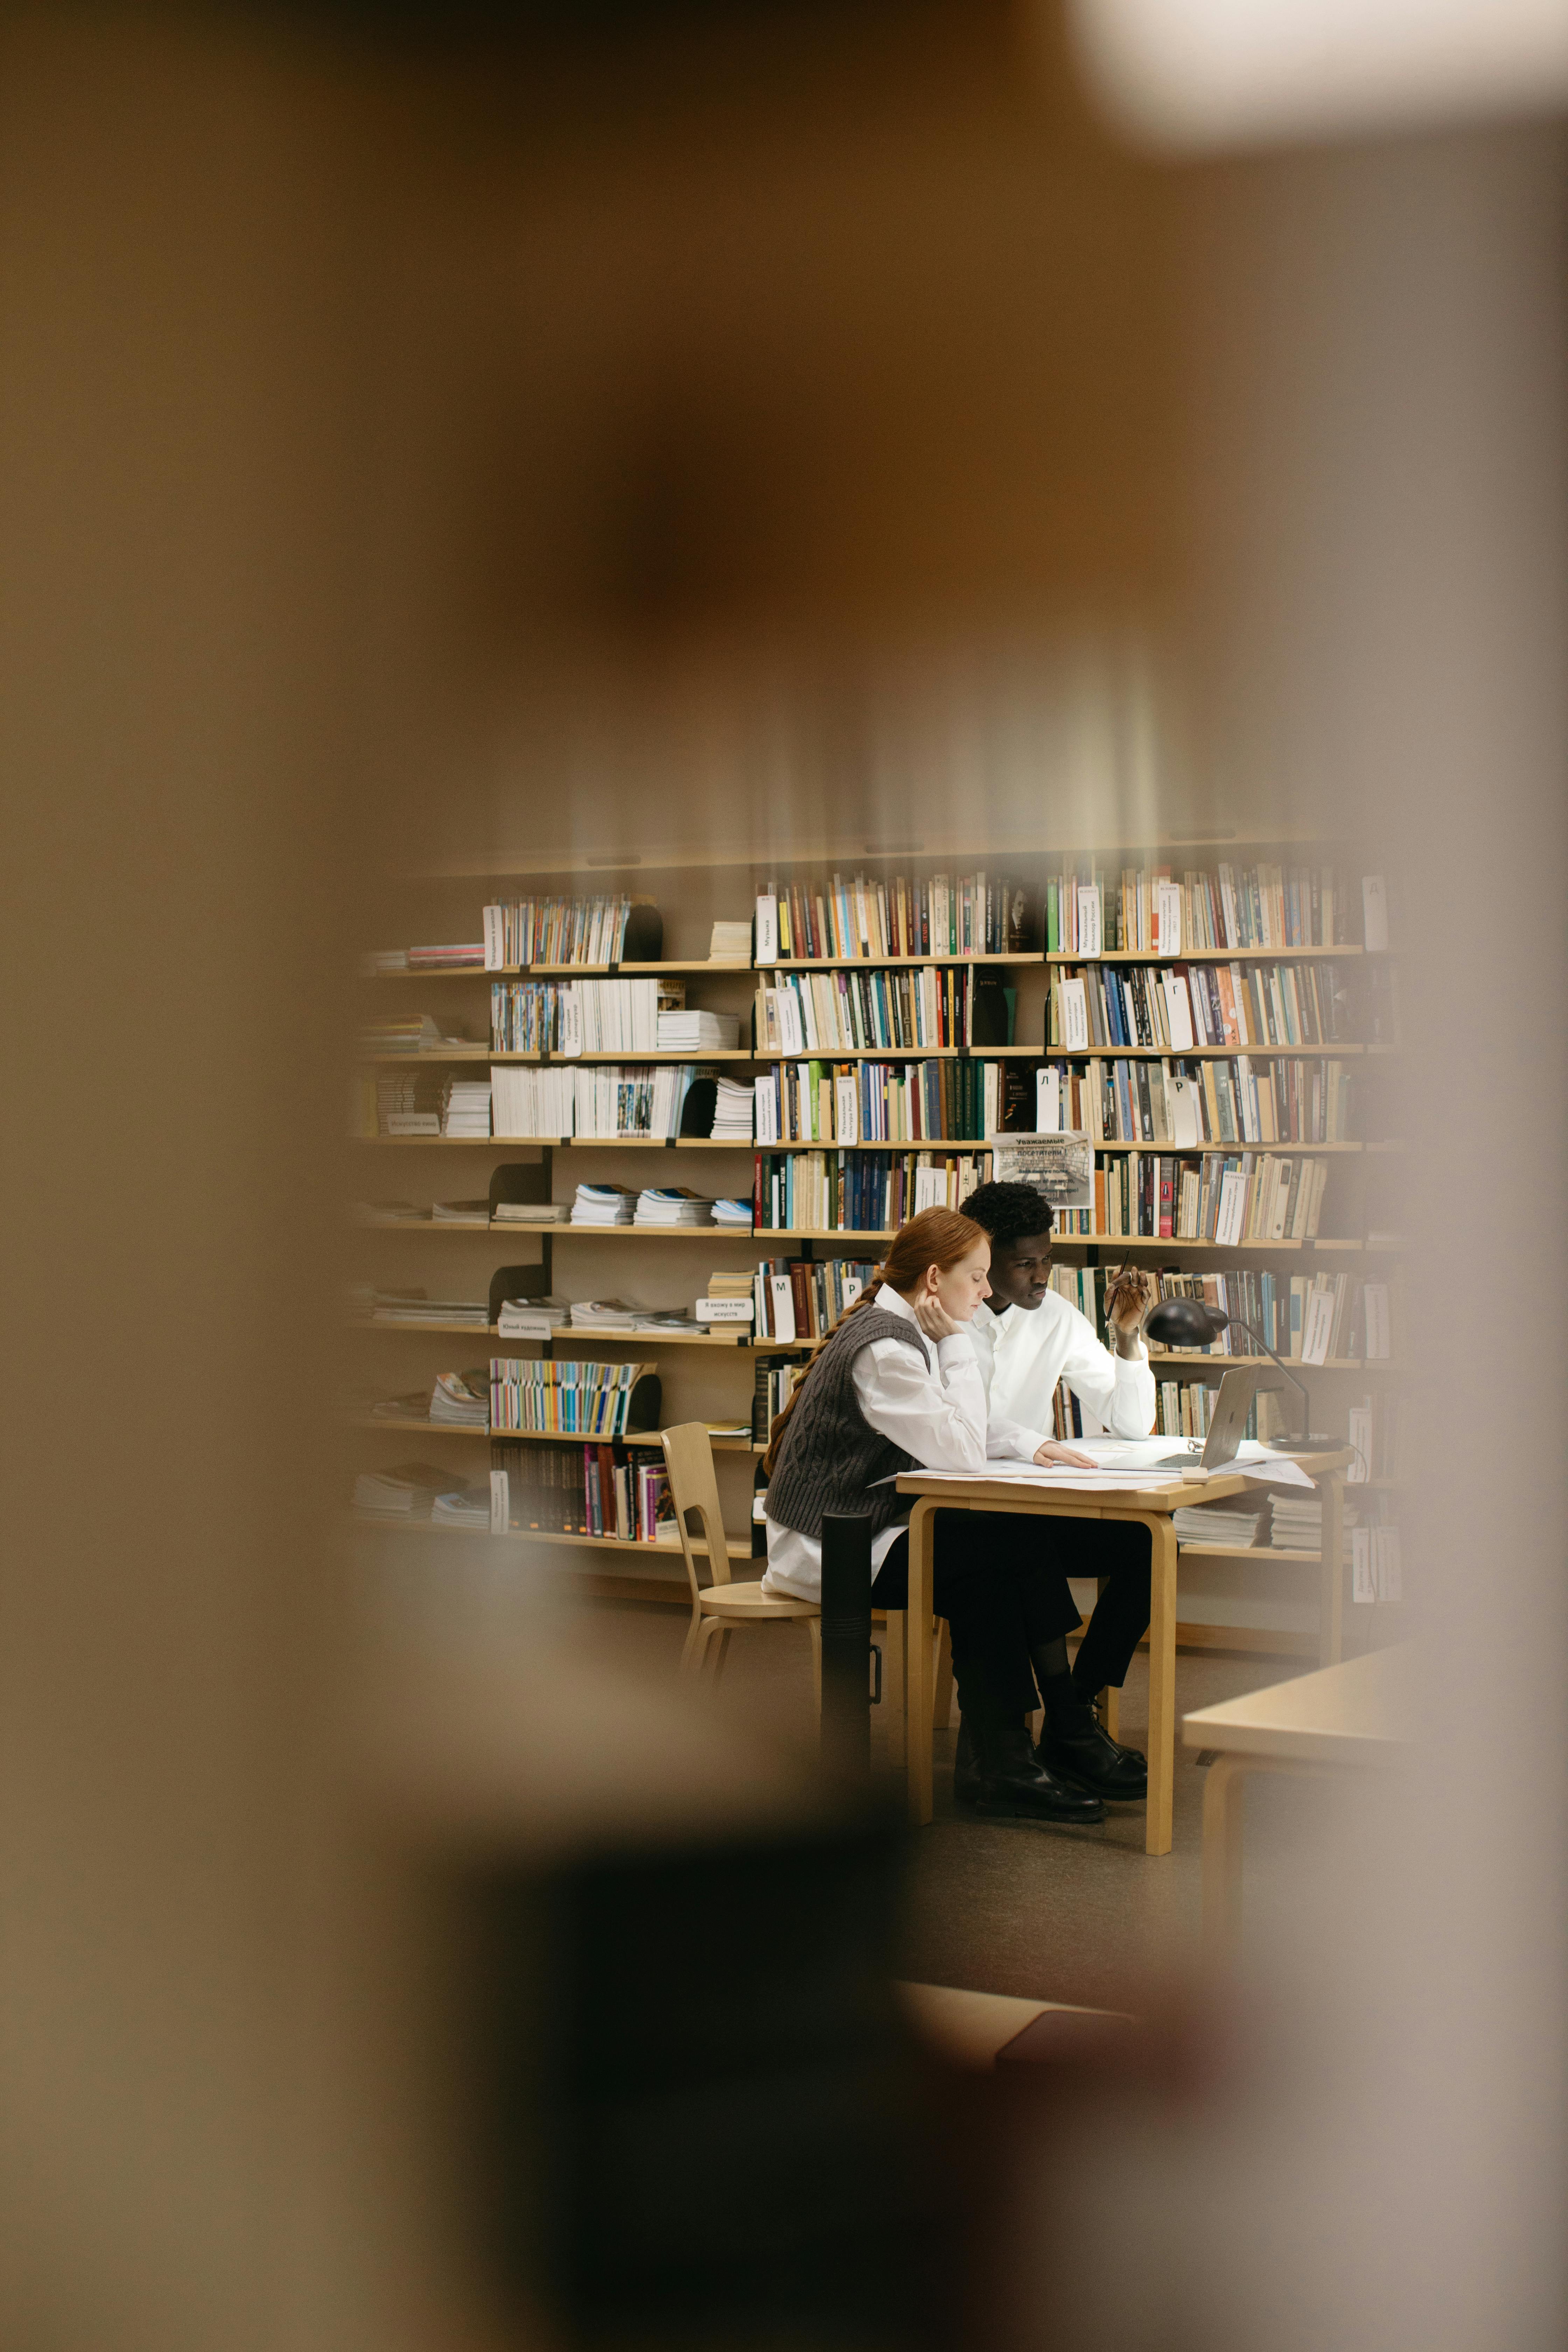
411	1306
733	1112
463	1507
459	1213
690	1031
733	1216
729	1299
532	1318
602	1204
729	943
530	1212
665	1206
408	1105
1240	1522
404	1492
461	1401
465	1108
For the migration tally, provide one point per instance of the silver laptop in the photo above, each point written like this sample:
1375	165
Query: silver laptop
1227	1425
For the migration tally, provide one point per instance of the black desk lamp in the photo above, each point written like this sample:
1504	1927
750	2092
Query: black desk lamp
1188	1323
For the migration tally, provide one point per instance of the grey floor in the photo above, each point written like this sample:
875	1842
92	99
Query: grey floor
1062	1915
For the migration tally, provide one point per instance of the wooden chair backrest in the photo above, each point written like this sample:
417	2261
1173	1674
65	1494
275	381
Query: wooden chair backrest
694	1489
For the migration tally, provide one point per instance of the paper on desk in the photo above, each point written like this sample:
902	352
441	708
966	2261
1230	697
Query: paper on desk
1122	1462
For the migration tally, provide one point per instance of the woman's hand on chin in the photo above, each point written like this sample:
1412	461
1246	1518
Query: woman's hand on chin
933	1317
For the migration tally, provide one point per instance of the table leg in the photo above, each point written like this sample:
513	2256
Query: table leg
918	1677
1108	1702
1162	1678
893	1697
1332	1571
1224	1792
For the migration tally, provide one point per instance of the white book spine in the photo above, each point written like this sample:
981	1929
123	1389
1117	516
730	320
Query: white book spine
1089	919
767	946
1363	1582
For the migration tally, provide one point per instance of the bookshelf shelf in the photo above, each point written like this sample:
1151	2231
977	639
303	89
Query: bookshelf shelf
370	1420
1244	1552
951	1144
1115	1242
1206	955
897	963
575	1340
1325	1052
563	1142
738	1546
901	1054
555	970
1188	1359
562	1061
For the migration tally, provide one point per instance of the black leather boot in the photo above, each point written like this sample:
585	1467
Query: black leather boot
1075	1749
996	1774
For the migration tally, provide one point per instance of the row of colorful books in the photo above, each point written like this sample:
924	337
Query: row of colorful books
890	1102
1148	910
872	1192
1248	1099
572	1398
1226	1198
1258	1007
911	1011
1313	1318
865	919
607	927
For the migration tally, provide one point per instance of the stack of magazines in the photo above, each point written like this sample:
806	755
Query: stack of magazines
461	1399
666	1205
404	1492
603	1315
1240	1522
602	1204
690	1031
465	1108
734	1214
463	1507
532	1318
530	1212
459	1213
734	1111
413	1306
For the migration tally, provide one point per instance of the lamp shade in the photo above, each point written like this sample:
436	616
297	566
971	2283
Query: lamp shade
1184	1323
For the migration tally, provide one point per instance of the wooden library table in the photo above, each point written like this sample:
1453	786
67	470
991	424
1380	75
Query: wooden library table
1358	1714
1150	1508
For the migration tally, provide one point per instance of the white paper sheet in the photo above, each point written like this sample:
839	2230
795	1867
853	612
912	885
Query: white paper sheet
1122	1462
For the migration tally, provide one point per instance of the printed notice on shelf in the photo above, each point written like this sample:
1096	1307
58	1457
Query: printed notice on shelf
846	1109
767	1120
1232	1209
767	945
1074	1006
1089	919
1049	1100
1167	918
1363	1584
1320	1328
1059	1166
1181	1096
1178	1010
500	1501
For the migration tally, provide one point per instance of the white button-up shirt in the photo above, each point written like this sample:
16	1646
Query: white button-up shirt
936	1416
1025	1351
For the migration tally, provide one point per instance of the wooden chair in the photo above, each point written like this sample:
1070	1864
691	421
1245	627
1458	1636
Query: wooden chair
716	1607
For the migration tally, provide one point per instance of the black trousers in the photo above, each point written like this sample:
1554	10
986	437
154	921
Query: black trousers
1000	1579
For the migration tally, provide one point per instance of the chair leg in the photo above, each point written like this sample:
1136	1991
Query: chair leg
720	1646
691	1653
814	1627
941	1696
894	1636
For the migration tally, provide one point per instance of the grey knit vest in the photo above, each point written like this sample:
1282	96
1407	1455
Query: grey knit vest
831	1454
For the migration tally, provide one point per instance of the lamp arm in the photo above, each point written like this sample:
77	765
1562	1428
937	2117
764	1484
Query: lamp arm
1237	1324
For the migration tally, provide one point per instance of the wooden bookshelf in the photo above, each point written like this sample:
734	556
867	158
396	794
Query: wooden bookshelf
1035	968
739	1547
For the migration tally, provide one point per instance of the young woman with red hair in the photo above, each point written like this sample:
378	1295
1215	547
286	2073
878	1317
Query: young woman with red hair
895	1385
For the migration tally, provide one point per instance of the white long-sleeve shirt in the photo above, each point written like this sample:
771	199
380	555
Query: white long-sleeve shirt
1023	1353
938	1415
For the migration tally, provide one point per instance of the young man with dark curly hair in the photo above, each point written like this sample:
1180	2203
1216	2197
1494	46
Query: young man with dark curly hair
1027	1338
